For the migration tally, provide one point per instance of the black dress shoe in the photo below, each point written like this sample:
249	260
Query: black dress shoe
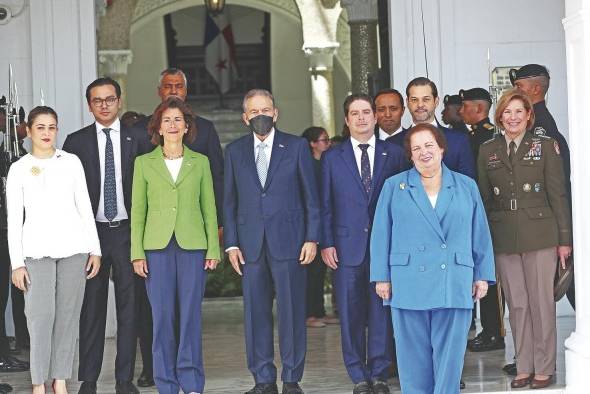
87	388
291	388
461	384
264	388
510	369
362	388
145	380
484	342
380	387
7	364
126	388
5	388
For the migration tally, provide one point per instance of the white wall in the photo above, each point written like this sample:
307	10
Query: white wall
458	34
51	46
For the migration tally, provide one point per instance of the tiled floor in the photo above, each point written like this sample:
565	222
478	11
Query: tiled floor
225	360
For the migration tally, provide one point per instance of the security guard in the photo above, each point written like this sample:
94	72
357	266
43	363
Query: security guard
450	113
522	185
475	109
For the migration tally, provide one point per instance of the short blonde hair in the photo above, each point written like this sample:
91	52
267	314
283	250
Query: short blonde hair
507	98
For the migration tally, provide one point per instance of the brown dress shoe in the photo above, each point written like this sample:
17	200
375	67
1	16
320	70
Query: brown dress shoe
522	382
541	384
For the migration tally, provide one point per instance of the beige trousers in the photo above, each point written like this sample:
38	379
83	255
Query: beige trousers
527	280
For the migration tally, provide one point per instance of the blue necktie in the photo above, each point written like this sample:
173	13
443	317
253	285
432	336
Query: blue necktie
261	165
365	168
110	185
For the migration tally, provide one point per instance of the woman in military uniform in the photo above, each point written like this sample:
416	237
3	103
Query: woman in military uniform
522	185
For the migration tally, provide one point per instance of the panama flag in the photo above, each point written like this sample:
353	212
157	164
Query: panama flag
220	60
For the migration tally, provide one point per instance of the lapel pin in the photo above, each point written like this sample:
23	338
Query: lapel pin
384	153
128	138
402	186
281	146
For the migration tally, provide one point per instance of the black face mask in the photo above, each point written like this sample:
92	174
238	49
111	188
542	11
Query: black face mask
261	124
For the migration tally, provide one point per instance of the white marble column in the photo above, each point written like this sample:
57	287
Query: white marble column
114	63
577	39
322	102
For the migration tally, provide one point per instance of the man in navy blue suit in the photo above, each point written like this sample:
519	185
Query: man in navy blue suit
271	228
422	100
352	177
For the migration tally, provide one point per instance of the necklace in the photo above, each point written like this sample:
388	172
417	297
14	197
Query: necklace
172	157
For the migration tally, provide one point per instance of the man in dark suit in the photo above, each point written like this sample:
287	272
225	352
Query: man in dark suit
107	152
271	229
173	83
389	106
352	177
422	100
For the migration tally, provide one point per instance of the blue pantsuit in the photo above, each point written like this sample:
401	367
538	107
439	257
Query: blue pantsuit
431	256
175	288
430	341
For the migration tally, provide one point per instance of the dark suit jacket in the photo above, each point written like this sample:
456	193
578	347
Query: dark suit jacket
285	212
346	210
84	144
206	143
458	156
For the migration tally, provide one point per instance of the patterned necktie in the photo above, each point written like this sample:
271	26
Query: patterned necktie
261	165
512	151
365	168
110	186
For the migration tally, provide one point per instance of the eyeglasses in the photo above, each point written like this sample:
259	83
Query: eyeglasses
109	101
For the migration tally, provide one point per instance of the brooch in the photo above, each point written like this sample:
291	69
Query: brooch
402	186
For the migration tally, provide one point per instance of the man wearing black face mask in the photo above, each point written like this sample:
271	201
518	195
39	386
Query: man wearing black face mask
271	228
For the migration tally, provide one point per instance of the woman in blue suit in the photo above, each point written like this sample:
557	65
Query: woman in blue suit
431	257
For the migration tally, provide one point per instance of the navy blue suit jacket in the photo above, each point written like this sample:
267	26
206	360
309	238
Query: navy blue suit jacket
347	211
285	212
207	143
458	156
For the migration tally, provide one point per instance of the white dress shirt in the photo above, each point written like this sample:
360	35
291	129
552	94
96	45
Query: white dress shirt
173	167
434	123
358	152
383	134
51	196
268	148
115	134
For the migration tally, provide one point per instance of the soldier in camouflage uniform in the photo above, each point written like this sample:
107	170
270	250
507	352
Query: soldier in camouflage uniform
522	185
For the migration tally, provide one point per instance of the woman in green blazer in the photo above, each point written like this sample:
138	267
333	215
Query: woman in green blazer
173	242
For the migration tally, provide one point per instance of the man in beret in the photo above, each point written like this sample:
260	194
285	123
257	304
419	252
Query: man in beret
475	109
450	113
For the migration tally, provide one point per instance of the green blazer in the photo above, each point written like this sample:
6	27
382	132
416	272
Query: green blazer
161	207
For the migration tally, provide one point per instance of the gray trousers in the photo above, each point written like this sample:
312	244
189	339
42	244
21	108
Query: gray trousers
52	305
527	281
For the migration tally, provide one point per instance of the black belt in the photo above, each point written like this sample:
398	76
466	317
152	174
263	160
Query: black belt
113	224
514	204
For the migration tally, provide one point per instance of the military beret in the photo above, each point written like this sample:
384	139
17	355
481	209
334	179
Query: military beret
528	71
452	99
475	94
